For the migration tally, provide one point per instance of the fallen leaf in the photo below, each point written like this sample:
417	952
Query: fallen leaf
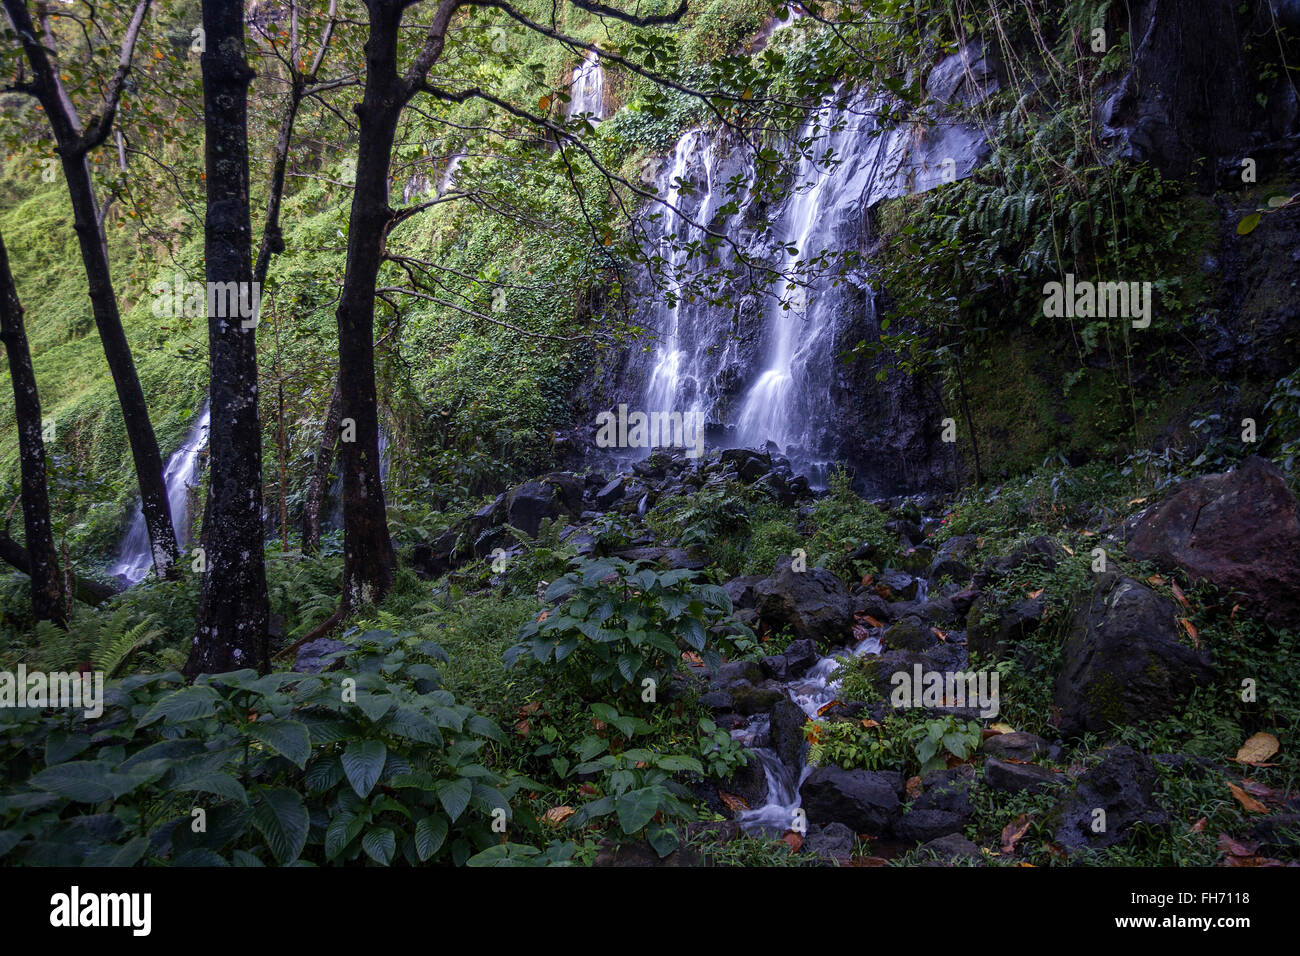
1002	728
543	615
531	708
1198	826
1034	594
870	724
1013	832
1191	630
873	622
733	803
1157	580
588	790
1258	748
692	657
913	787
1233	615
1138	501
1246	800
1056	851
1068	550
1088	534
523	728
1236	848
867	579
793	840
825	707
1179	596
557	815
941	635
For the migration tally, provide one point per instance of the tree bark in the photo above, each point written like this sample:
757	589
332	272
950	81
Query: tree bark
233	612
49	603
329	437
74	146
368	558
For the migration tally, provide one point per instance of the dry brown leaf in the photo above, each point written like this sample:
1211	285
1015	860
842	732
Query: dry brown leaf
1156	579
873	622
1002	728
692	657
523	728
913	787
1246	800
941	635
1191	630
870	724
1013	832
1137	501
1068	550
733	802
531	708
793	840
1198	826
557	815
1034	594
825	707
1258	748
1179	596
1088	534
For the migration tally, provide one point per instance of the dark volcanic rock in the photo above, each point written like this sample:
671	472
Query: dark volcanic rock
1240	531
1123	661
833	841
786	731
864	800
814	604
1020	746
1017	777
1121	787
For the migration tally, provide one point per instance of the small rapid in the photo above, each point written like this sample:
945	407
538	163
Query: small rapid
811	692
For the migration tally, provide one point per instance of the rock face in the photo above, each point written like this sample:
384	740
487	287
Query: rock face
1121	786
1123	660
1240	531
866	801
814	604
1190	92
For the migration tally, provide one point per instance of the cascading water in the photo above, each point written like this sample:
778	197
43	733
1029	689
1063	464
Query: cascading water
760	361
811	692
587	89
136	555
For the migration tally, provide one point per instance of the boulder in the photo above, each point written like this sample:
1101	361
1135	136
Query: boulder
1018	777
1123	661
795	662
1239	531
610	493
814	604
910	634
950	849
1121	786
993	640
1017	745
866	801
786	732
833	841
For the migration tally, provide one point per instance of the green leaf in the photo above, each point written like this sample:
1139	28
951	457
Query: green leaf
222	784
188	703
363	761
61	745
663	839
1247	225
430	832
636	808
85	781
455	795
281	817
380	845
286	737
338	835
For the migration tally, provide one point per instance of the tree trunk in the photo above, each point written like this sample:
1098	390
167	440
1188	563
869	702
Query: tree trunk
49	602
368	558
74	146
329	437
233	608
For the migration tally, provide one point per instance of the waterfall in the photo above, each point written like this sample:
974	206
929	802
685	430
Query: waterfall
333	521
135	557
587	89
760	361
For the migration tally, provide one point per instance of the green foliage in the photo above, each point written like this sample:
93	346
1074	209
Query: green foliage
372	763
620	626
904	741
